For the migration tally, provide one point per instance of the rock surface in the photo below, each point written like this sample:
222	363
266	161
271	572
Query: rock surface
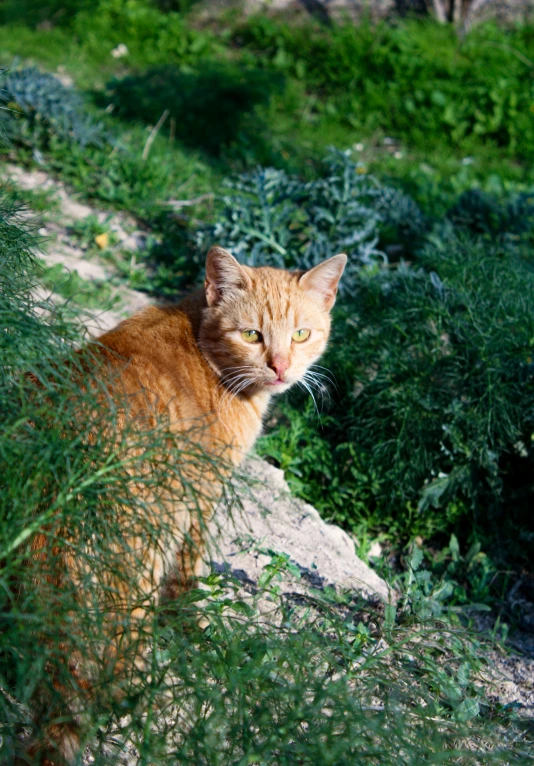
270	520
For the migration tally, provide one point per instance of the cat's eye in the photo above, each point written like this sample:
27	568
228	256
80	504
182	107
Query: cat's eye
251	336
299	336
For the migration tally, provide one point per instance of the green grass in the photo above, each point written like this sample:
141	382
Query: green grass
282	93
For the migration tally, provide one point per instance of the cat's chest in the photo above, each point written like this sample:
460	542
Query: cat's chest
238	423
190	391
220	422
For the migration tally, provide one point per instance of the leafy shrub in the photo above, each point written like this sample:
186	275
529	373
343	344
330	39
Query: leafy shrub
432	431
152	37
276	219
510	223
38	104
415	81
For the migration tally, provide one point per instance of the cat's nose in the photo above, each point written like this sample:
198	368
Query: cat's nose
280	365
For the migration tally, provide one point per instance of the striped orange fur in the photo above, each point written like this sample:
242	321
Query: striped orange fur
211	365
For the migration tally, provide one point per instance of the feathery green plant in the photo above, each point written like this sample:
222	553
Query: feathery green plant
99	497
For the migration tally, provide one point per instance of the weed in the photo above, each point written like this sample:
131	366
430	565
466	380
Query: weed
92	294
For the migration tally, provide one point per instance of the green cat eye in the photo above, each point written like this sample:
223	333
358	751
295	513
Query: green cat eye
251	336
299	336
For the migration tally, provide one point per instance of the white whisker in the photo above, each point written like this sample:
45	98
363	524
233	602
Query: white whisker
316	383
233	382
309	390
327	374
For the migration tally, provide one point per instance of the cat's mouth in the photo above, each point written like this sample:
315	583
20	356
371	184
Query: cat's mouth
278	384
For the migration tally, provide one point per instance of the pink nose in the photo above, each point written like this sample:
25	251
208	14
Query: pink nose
279	364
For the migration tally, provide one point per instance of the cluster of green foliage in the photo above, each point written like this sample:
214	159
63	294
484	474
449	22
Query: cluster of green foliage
37	105
436	90
271	218
263	90
151	35
328	681
430	428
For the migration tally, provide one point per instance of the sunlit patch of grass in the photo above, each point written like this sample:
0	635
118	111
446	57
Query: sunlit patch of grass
91	294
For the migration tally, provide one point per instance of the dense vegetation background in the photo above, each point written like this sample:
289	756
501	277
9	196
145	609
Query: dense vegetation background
399	142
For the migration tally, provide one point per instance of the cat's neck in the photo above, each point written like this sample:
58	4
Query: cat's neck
240	416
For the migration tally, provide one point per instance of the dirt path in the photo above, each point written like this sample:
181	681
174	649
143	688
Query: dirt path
62	247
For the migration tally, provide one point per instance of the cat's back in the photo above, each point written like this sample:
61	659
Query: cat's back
151	333
156	351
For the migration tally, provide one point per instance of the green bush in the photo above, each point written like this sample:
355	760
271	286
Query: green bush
152	37
432	422
430	426
38	106
415	81
273	218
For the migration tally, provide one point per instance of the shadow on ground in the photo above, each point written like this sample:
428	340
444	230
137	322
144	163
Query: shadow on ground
211	110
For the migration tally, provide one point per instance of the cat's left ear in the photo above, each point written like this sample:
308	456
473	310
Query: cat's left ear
224	275
322	280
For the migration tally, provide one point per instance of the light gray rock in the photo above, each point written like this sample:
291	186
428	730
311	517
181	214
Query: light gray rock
270	519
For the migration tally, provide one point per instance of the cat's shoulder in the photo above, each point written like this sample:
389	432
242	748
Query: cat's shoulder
155	327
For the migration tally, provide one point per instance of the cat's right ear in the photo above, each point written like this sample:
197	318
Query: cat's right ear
224	275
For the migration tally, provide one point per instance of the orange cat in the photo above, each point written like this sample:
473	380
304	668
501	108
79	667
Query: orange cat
211	365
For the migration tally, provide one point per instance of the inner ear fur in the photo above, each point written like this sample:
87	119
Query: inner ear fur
322	281
223	275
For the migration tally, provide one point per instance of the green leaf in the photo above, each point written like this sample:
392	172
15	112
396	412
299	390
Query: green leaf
467	709
416	558
390	614
464	672
454	547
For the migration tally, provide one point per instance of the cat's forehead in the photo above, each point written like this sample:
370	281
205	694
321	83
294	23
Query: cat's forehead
274	287
275	297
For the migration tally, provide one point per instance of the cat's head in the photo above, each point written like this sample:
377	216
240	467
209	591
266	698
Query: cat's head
264	327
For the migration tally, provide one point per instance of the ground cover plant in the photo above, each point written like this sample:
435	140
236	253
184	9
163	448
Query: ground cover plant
327	679
433	111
